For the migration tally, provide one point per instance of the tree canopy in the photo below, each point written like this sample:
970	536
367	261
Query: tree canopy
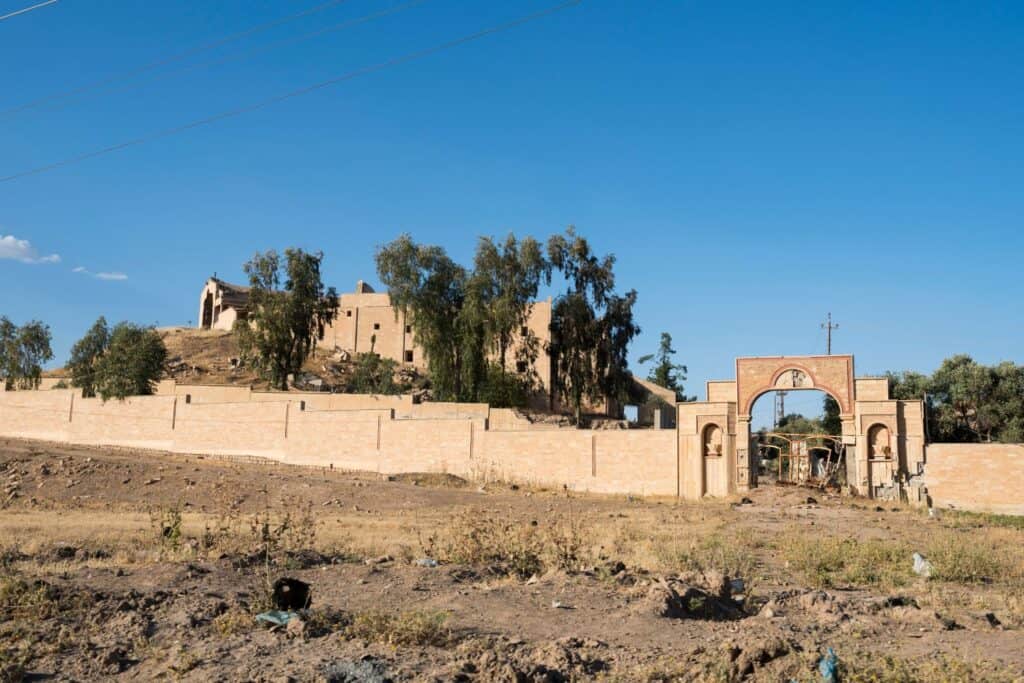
23	351
968	401
592	326
131	363
664	372
284	321
470	323
85	356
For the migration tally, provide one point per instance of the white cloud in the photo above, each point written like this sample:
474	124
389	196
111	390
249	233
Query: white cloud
13	249
101	275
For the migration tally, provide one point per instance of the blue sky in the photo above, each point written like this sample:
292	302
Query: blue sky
752	165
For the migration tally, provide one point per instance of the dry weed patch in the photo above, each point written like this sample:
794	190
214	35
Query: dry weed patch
404	629
831	562
961	557
888	669
511	546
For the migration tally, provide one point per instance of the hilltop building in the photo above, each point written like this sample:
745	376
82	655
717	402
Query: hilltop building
367	322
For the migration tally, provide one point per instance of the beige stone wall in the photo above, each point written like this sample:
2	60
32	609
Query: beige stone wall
872	388
984	477
139	422
720	391
453	439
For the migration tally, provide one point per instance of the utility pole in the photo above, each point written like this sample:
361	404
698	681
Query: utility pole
829	326
780	407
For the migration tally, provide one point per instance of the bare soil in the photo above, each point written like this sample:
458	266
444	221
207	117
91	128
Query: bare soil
141	565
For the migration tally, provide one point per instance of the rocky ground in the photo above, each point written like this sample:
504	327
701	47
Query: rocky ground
146	566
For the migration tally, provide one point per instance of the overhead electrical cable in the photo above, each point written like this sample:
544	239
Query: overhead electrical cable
198	49
333	28
26	10
230	113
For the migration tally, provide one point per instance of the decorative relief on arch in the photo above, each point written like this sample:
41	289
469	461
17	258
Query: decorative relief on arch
793	379
831	374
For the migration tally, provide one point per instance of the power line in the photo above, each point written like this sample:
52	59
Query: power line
25	10
123	75
265	48
408	57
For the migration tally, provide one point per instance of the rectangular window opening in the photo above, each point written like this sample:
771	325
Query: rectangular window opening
408	356
376	326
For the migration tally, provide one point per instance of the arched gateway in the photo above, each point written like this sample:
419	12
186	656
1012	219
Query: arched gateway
868	416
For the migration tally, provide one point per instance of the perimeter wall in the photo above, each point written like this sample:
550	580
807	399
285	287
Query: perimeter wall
378	434
986	477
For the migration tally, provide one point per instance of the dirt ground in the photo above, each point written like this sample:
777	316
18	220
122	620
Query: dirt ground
141	565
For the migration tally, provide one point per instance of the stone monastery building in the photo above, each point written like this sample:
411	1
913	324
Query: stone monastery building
366	321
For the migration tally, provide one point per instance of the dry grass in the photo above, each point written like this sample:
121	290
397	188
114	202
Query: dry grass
833	562
509	545
405	629
888	669
972	557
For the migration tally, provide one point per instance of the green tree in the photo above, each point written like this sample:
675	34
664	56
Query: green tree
507	277
795	423
967	401
830	421
591	325
284	322
372	374
8	352
431	290
23	351
665	373
131	364
907	385
85	356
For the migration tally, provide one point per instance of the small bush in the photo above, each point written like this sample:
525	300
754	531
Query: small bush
965	558
828	562
407	628
21	599
518	547
167	524
889	669
732	555
233	622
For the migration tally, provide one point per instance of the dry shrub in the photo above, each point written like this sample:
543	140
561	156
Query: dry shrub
406	628
889	669
829	561
972	558
21	599
233	622
510	546
731	554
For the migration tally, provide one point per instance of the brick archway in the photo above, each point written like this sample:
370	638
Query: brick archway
759	375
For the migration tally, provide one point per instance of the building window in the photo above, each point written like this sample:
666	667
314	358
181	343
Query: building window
520	366
408	329
524	331
408	356
376	326
348	314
